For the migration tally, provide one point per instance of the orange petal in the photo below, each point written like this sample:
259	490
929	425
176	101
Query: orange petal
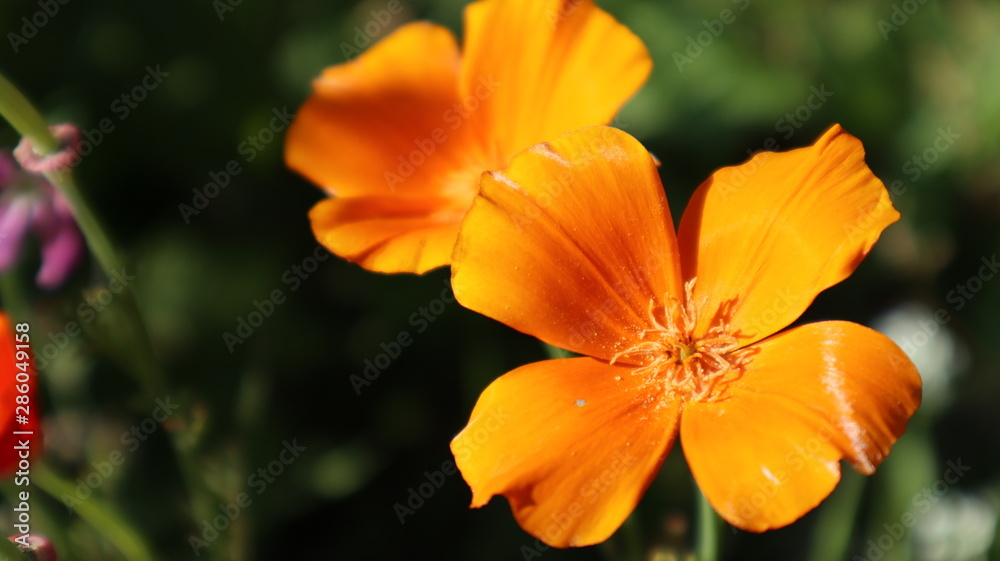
572	444
387	234
764	238
808	397
535	69
571	243
365	114
382	125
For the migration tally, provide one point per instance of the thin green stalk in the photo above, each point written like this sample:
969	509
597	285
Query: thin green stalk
707	542
29	123
22	116
97	240
101	517
556	352
837	516
12	293
995	550
632	538
626	544
135	340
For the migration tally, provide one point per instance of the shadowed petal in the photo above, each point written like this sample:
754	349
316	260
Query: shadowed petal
387	234
384	125
571	243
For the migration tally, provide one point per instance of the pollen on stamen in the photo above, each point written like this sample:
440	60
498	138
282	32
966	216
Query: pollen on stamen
692	367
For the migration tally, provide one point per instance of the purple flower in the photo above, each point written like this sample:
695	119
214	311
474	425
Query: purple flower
29	202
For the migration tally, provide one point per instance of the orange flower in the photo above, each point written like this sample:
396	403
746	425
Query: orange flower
18	374
399	137
574	244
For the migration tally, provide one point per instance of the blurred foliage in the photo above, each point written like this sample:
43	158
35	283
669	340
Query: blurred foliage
896	89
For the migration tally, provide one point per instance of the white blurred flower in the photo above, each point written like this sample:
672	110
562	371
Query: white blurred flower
959	527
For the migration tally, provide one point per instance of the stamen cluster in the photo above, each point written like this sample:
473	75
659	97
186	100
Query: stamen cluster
696	367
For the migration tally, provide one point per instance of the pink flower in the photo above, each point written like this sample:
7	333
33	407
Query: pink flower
29	202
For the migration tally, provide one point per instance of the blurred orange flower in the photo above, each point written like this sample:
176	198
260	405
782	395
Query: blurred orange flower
574	244
17	405
399	136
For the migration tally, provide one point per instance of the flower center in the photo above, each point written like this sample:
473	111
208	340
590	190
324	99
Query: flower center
693	367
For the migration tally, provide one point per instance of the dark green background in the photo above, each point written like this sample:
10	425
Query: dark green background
894	89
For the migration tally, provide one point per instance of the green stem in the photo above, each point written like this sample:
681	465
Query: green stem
102	517
96	238
632	538
626	543
837	516
12	295
135	346
28	122
707	544
995	550
556	352
22	116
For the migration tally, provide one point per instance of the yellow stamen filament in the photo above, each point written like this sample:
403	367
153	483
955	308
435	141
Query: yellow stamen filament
697	368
